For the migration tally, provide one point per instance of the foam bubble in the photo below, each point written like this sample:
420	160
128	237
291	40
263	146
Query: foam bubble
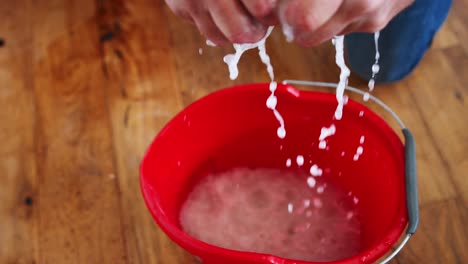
315	170
311	182
366	96
300	160
271	102
210	43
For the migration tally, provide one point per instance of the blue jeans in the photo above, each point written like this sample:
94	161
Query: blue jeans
402	44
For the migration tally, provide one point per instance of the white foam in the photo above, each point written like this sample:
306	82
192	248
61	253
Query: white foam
288	32
290	208
264	56
366	96
315	171
345	72
307	203
355	200
281	132
273	86
361	113
271	102
320	189
287	29
375	67
317	203
327	131
200	51
233	59
322	144
210	43
324	133
361	140
359	152
311	182
371	84
300	160
288	163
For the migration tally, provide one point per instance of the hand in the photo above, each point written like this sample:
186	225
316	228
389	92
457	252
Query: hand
311	21
315	21
228	21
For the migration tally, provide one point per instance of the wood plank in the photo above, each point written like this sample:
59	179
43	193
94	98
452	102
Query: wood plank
18	180
79	213
445	116
86	85
142	95
446	37
458	22
442	237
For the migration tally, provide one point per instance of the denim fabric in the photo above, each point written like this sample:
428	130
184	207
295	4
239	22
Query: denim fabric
402	44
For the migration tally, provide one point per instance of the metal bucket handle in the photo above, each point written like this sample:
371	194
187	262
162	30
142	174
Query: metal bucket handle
411	183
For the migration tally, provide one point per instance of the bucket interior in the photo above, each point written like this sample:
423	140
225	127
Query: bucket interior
234	128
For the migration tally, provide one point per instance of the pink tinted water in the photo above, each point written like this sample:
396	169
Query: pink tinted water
275	212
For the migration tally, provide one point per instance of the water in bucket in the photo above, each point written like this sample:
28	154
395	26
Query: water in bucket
228	132
274	212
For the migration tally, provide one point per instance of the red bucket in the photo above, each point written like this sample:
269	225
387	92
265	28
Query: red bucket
205	137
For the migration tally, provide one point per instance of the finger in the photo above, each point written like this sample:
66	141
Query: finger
305	16
333	27
234	21
323	34
374	19
180	10
262	10
352	27
372	22
208	28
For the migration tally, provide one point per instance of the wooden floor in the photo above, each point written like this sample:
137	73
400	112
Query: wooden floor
85	85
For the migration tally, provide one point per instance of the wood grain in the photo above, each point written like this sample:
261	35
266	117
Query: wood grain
18	177
86	85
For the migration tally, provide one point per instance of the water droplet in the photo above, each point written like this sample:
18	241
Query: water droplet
281	132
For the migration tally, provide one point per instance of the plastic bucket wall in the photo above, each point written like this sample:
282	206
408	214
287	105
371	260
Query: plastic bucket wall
233	127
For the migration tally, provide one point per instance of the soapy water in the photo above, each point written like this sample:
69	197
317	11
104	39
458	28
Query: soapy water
324	133
274	212
338	41
360	149
300	160
375	67
304	221
232	61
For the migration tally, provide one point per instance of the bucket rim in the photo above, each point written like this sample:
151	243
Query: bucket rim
198	247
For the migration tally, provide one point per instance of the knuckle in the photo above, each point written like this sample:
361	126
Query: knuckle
367	6
375	24
306	22
262	8
179	9
244	36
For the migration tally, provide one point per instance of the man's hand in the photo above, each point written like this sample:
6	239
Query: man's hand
311	21
227	21
316	21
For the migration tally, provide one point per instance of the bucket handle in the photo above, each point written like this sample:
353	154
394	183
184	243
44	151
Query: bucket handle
411	183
